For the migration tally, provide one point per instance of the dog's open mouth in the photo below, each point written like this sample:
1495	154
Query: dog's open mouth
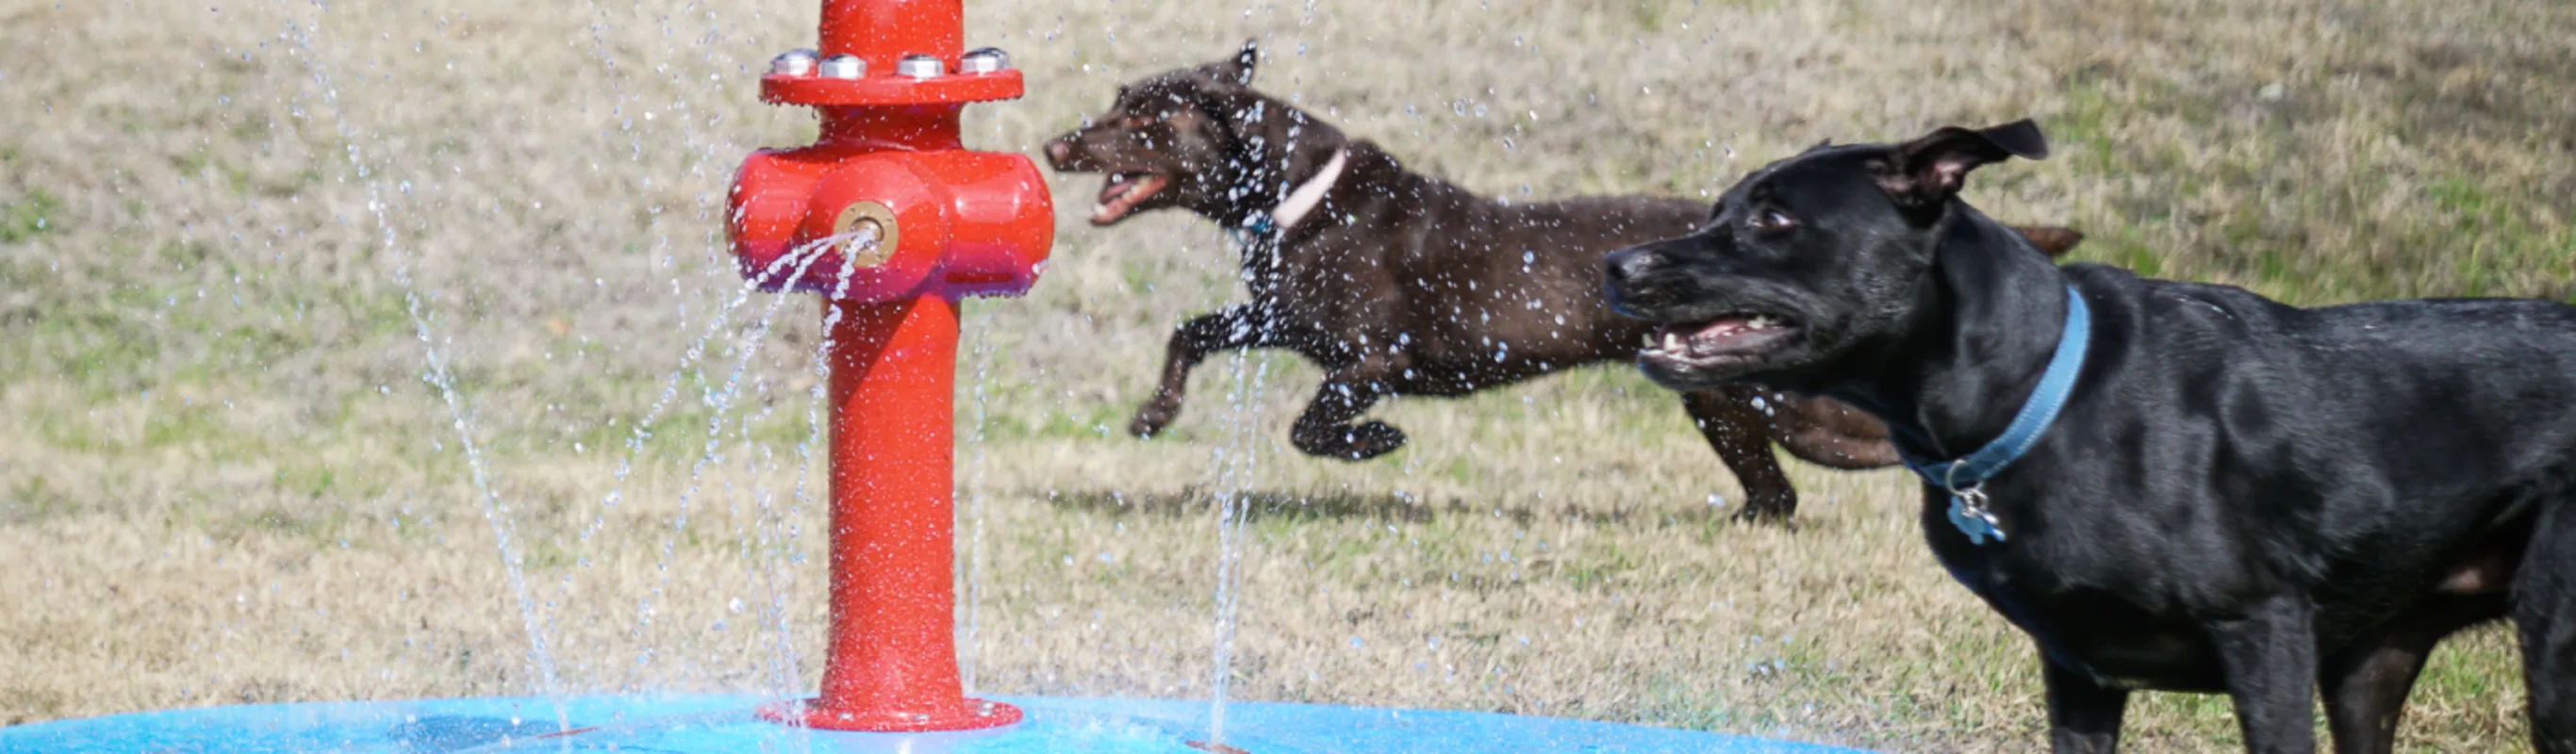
1734	338
1123	192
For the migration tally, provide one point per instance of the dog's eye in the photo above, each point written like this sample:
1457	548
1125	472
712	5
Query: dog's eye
1771	219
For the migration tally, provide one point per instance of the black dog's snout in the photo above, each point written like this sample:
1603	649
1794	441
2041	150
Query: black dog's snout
1623	275
1626	266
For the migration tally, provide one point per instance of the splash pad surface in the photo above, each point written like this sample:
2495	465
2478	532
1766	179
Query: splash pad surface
711	723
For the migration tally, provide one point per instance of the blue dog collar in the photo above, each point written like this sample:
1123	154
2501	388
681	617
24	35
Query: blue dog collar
1965	477
1256	229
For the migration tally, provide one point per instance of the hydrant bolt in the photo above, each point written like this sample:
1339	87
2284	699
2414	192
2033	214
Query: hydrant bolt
844	67
984	60
920	67
797	62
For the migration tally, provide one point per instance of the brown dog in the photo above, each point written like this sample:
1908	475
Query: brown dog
1401	284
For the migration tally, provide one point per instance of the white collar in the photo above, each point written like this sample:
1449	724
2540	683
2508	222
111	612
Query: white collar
1307	195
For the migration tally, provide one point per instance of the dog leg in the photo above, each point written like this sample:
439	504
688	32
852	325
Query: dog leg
2270	658
1238	326
2544	597
1325	428
2365	690
2083	716
1741	434
2366	684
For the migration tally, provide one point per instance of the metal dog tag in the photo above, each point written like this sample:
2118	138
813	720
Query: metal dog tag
1968	512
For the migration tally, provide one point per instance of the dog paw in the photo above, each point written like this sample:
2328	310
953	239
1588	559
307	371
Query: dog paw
1768	510
1753	516
1374	439
1151	420
1354	442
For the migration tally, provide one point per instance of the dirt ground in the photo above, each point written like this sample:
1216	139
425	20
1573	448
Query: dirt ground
316	318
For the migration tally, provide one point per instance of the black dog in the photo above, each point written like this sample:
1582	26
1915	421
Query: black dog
2237	496
1401	284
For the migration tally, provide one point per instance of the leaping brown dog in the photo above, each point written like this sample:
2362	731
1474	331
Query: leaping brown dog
1397	283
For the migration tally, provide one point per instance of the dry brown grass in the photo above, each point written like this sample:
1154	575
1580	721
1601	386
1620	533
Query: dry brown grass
226	480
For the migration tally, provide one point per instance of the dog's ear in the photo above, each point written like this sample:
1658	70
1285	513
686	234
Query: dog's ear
1928	171
2052	240
1238	69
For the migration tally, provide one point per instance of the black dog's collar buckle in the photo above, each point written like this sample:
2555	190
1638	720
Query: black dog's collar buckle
1968	511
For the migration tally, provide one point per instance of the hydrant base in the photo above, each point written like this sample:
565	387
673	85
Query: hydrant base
975	714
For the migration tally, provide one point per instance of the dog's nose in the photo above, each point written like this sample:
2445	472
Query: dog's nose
1626	265
1057	152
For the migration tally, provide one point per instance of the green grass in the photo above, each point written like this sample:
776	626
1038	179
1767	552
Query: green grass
24	218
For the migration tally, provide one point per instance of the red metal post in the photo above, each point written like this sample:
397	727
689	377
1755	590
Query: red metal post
955	223
892	662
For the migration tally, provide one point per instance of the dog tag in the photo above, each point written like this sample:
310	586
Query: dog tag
1968	512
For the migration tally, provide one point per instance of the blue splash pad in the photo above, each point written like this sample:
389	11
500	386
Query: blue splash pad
711	723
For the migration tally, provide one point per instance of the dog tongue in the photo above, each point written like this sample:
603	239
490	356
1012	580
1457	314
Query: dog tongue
1714	336
1114	188
1120	197
1714	329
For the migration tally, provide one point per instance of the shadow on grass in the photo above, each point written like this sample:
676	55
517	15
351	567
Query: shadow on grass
1339	505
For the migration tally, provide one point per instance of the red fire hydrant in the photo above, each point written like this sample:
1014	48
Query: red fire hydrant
906	221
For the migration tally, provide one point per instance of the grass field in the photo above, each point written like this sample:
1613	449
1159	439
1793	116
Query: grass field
233	235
